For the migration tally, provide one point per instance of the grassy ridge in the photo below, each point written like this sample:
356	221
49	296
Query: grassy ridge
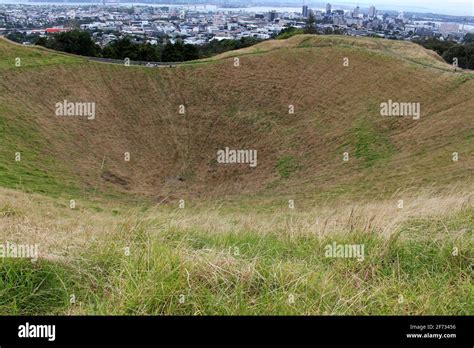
32	58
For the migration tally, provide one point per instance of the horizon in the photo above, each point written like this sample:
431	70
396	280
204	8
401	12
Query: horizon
451	8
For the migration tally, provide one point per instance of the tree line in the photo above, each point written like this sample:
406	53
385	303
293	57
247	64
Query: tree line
451	51
80	43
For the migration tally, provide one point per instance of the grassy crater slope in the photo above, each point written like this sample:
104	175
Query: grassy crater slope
236	247
195	261
173	155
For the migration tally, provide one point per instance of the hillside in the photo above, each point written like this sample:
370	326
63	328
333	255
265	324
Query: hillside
336	110
236	245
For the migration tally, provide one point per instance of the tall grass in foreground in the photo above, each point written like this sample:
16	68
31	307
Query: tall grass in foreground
153	264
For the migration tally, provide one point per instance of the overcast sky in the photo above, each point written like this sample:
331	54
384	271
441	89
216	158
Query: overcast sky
456	7
452	7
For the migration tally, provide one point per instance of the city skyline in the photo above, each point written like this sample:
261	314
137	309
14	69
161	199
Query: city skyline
455	8
459	7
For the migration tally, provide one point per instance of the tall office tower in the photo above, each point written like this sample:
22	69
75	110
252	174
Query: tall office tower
305	11
355	14
272	15
328	8
372	12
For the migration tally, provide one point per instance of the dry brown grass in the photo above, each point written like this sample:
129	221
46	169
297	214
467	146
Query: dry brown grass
247	107
403	50
60	230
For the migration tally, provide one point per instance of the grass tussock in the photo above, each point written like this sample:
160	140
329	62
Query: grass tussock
161	261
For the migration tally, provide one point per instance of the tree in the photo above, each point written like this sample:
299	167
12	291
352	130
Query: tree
75	41
121	49
190	52
41	41
171	53
179	52
125	48
328	31
469	56
216	46
436	45
289	32
458	52
468	38
449	51
310	27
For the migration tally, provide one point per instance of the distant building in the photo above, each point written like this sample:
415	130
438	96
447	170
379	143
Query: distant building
354	21
272	15
55	30
339	20
372	12
424	32
448	28
355	13
304	12
328	8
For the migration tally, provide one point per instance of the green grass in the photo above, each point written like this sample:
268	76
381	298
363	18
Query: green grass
169	271
37	170
462	78
289	34
370	145
34	170
32	58
28	288
286	166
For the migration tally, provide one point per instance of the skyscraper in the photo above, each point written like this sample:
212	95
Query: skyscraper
328	8
355	14
304	12
272	15
372	12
